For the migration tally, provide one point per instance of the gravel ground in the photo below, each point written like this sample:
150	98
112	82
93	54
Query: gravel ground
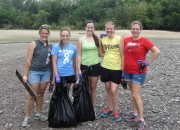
161	93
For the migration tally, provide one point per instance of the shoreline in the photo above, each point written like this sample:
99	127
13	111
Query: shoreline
26	36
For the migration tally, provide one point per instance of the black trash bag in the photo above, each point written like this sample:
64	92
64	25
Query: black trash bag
61	112
82	103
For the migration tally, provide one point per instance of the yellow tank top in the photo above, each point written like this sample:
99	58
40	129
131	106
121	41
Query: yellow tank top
112	56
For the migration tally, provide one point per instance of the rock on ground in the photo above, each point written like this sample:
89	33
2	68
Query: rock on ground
161	93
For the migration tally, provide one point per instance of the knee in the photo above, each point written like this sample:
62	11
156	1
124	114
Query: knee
93	88
136	97
108	88
113	92
41	94
30	98
108	91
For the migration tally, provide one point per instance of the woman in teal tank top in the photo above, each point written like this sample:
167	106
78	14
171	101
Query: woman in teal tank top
89	50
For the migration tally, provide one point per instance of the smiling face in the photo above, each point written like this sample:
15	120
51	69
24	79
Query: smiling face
65	36
44	34
110	29
136	27
135	31
89	28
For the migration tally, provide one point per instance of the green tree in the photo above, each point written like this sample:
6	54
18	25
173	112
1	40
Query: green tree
41	18
155	14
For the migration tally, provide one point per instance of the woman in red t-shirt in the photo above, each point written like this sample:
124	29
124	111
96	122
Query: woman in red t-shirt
134	64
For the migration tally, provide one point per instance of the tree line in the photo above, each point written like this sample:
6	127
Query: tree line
30	14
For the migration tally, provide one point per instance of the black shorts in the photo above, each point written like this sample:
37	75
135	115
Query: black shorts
92	70
110	75
69	79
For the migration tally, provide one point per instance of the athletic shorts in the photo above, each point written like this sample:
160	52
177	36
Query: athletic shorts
69	79
110	75
135	78
92	70
36	77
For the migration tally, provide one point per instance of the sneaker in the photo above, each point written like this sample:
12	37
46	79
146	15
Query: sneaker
40	117
141	125
106	113
95	112
117	118
132	118
25	122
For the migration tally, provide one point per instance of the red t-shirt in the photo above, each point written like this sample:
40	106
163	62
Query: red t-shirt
135	50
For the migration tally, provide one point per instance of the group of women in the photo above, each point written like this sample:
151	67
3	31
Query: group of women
123	59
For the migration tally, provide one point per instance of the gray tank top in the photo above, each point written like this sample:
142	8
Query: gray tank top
41	57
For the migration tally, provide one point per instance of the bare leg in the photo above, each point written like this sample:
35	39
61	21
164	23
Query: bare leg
109	98
30	100
114	96
93	84
137	99
41	91
135	111
68	85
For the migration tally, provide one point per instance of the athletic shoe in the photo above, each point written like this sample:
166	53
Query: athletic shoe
95	113
117	118
40	117
132	118
106	113
141	125
25	122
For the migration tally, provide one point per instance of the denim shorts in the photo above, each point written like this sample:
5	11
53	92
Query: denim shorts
135	78
36	77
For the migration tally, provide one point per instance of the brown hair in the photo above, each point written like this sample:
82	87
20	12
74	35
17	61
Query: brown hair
96	40
138	23
61	30
46	27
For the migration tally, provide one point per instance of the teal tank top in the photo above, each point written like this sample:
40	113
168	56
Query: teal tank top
89	53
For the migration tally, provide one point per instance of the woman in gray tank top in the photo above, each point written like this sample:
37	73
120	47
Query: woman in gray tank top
38	73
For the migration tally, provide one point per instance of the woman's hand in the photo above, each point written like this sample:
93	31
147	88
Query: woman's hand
57	79
25	79
51	86
79	73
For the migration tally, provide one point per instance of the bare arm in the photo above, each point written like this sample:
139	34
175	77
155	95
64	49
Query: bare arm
156	53
79	50
100	49
121	46
51	64
74	65
54	59
30	52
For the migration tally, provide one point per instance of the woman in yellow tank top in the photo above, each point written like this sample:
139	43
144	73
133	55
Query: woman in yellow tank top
111	70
